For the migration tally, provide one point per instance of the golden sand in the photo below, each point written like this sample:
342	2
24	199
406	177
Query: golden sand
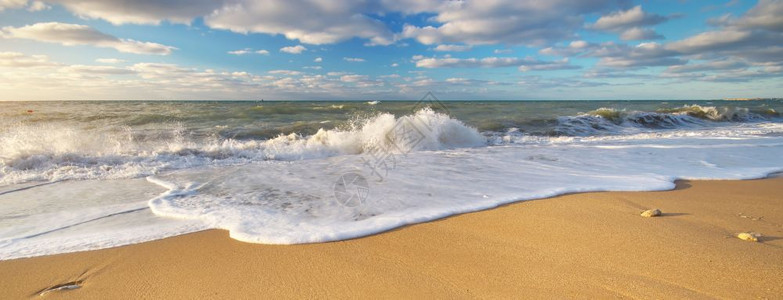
576	246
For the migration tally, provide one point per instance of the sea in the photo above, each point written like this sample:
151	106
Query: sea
85	175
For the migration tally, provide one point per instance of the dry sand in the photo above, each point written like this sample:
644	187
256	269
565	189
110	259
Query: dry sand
575	246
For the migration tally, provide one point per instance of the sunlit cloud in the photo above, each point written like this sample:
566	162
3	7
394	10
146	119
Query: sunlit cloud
74	34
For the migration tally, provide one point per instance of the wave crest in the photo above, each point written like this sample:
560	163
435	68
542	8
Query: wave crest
605	120
56	153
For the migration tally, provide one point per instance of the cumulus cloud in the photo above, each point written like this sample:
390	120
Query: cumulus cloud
353	78
327	22
318	59
752	38
20	60
285	72
38	6
452	48
719	65
27	77
630	24
248	51
524	64
766	15
620	55
505	22
109	60
74	34
100	70
298	49
641	55
141	11
12	4
311	22
241	51
353	59
634	17
726	39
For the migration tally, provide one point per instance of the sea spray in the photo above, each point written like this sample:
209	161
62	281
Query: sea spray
267	172
45	152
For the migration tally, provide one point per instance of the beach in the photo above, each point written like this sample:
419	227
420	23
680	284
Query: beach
582	245
503	149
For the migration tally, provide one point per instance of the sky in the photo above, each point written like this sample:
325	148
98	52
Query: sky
390	49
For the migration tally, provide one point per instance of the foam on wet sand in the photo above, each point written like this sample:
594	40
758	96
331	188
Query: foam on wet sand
573	246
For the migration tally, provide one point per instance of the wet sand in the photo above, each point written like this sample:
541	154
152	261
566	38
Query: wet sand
577	246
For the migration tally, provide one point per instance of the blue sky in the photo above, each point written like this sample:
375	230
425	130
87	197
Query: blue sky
352	49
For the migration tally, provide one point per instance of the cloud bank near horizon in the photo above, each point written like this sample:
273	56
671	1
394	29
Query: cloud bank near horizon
501	49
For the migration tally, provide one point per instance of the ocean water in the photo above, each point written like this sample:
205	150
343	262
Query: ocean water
88	175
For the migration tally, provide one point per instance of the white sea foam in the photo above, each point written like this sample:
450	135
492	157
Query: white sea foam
294	202
418	167
81	215
48	152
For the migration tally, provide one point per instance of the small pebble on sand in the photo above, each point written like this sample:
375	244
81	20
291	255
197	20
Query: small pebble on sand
749	236
651	213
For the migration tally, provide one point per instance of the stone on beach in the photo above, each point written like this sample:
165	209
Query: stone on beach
749	236
651	213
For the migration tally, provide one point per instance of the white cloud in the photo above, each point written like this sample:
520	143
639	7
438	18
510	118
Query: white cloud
97	70
327	22
318	59
74	34
20	60
310	22
615	55
109	60
524	64
724	39
720	65
248	51
501	51
12	4
642	55
29	77
293	49
394	65
38	6
621	20
353	78
285	72
766	15
141	11
505	21
353	59
240	52
452	48
630	24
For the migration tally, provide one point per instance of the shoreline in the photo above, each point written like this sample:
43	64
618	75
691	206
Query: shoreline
591	244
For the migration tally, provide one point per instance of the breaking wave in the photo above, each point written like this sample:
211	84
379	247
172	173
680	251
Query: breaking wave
604	121
48	152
